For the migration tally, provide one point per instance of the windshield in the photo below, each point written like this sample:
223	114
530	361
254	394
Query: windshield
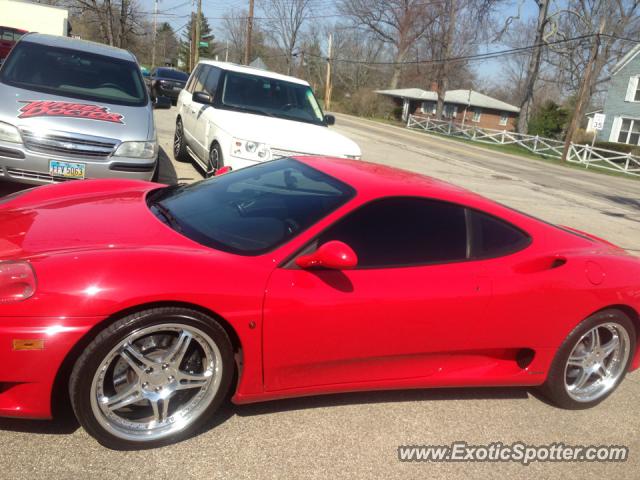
272	97
172	74
71	73
253	210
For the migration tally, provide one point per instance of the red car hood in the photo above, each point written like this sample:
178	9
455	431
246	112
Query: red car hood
80	215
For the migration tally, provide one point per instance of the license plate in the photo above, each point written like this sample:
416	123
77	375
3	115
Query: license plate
66	169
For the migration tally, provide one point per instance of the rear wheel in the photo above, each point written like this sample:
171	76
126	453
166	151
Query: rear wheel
152	378
592	361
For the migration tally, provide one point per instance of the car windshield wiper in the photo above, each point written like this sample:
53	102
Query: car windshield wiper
170	218
250	110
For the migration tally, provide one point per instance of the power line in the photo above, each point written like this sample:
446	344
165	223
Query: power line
480	56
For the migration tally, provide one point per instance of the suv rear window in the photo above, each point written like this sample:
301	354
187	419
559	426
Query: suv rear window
75	74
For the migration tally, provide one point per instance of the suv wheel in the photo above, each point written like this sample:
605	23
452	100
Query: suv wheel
179	145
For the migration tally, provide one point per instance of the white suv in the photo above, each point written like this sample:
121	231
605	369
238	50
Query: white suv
235	116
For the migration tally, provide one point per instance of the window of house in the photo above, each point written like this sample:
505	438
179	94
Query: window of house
476	115
429	108
403	231
504	118
450	111
633	89
629	131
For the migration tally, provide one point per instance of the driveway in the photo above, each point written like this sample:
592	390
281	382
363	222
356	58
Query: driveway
357	435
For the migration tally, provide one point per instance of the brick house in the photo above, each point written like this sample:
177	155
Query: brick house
474	107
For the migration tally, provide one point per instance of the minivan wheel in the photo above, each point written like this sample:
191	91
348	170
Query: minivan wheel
152	378
592	361
179	145
215	160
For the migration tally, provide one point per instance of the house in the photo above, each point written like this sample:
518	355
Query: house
466	106
622	106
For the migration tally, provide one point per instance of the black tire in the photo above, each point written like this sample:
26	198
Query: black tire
215	161
555	388
179	146
86	366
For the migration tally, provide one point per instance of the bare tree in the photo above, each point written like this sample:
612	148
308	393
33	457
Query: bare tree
117	22
285	19
399	23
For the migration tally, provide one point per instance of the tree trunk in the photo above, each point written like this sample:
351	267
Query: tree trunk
397	67
534	68
585	89
442	72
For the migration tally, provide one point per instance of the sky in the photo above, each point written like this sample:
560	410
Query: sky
177	13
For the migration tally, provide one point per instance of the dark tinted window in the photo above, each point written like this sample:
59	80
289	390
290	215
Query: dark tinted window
171	74
493	237
253	210
403	232
76	74
211	82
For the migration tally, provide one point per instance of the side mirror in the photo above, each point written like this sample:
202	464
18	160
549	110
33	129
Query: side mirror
329	119
222	171
202	97
335	255
162	103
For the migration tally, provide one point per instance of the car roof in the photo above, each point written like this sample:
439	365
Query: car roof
374	180
253	71
77	44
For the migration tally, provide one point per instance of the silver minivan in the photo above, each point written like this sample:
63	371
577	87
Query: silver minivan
73	109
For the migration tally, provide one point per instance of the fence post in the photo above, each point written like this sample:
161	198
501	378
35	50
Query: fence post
585	158
449	128
502	138
626	163
535	144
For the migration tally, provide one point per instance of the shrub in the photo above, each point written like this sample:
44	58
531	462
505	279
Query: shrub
549	121
619	147
367	103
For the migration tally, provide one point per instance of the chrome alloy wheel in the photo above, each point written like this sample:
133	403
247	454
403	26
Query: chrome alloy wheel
597	362
156	382
214	162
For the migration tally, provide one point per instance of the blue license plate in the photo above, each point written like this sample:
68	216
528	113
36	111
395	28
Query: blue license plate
66	169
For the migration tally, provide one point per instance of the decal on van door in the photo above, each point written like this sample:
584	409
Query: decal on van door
46	108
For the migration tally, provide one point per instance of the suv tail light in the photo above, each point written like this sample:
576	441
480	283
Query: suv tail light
17	281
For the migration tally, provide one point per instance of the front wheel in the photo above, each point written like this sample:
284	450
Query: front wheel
592	361
179	145
152	378
216	161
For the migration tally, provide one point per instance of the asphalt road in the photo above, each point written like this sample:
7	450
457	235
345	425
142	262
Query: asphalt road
357	435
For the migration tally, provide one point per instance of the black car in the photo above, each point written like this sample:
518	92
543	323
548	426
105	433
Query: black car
166	82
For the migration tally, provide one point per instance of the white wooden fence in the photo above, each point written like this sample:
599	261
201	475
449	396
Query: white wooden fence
583	154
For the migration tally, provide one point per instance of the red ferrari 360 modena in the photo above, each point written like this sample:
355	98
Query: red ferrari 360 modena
145	303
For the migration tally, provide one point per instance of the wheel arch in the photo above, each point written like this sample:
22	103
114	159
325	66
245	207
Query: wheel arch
60	402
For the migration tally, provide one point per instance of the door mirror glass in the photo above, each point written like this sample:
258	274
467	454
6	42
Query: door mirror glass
335	255
202	97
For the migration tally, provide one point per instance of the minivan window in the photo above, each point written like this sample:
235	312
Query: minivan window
270	96
75	74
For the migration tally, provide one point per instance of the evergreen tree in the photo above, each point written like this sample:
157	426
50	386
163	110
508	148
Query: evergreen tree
185	44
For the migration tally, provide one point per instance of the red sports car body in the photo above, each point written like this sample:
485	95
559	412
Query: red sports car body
491	308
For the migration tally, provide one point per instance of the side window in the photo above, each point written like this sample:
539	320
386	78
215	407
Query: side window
211	82
192	80
202	75
403	232
493	237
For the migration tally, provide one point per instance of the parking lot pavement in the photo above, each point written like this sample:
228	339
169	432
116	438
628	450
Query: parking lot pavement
357	435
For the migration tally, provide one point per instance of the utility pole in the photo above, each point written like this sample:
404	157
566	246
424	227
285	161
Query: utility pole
534	67
196	55
247	44
585	89
192	36
327	85
226	52
155	33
